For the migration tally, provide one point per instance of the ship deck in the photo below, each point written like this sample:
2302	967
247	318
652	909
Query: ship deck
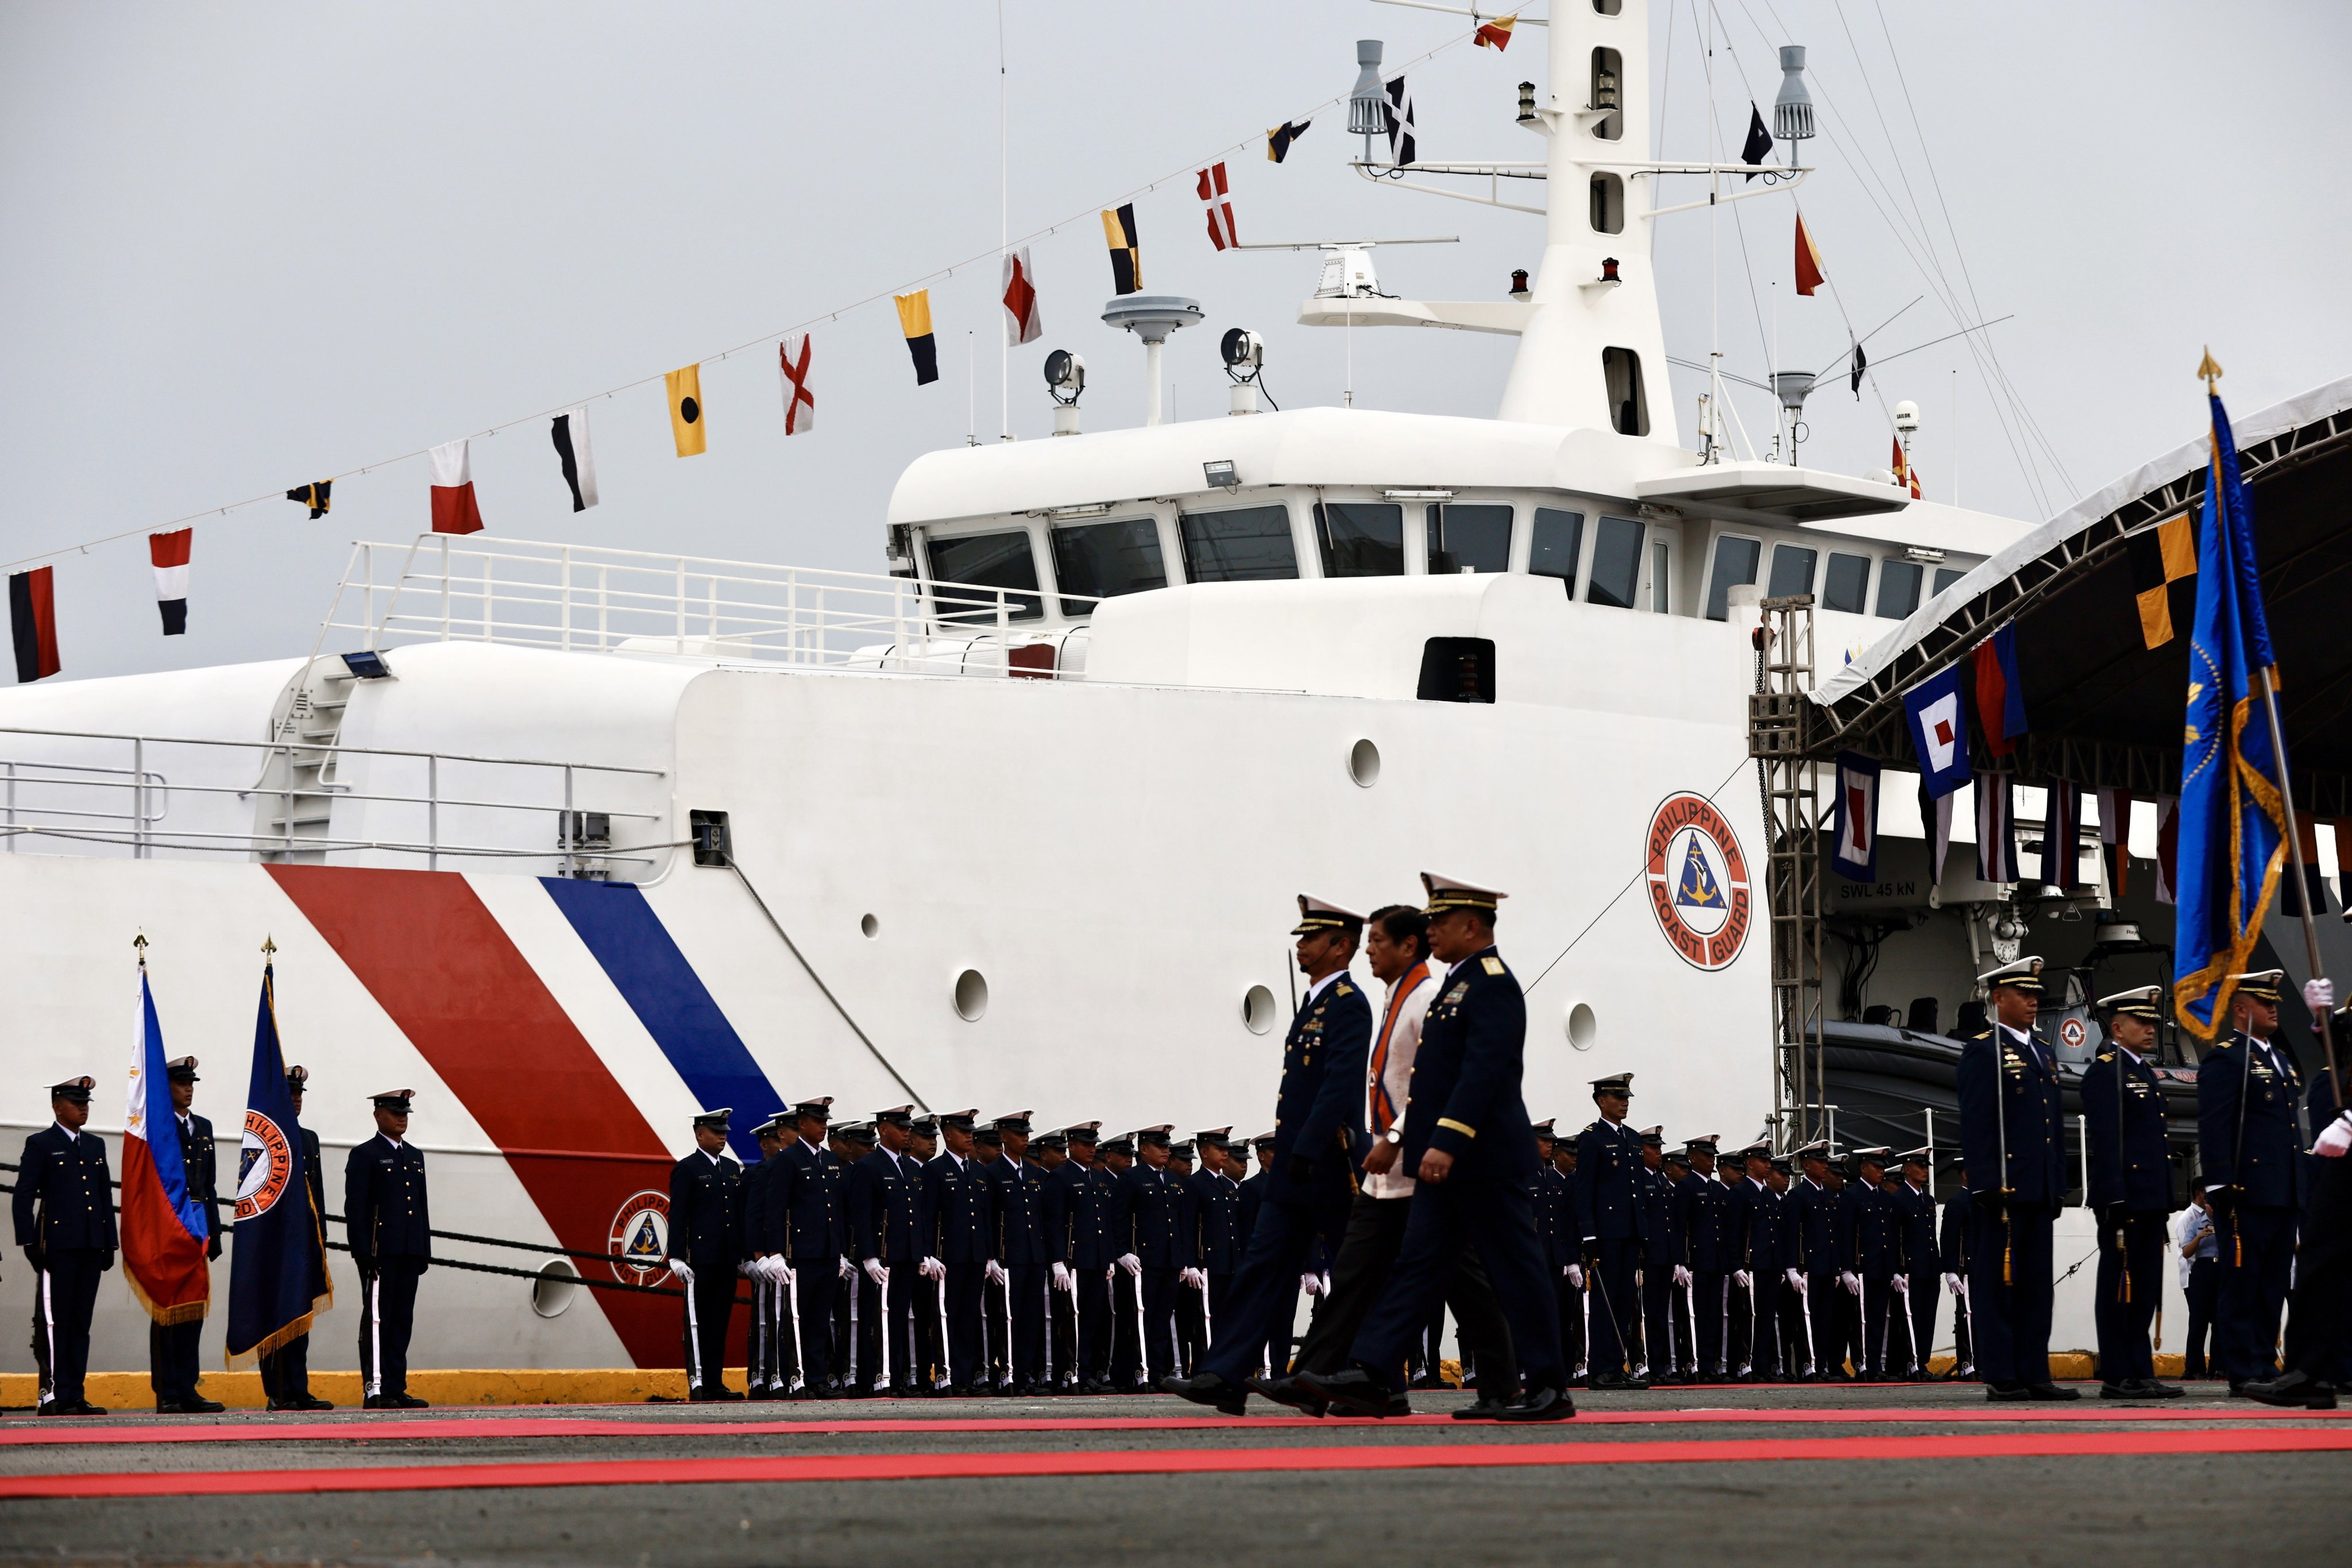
1927	1469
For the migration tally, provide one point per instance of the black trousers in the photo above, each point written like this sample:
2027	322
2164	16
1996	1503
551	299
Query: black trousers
172	1361
1657	1290
1571	1300
1097	1315
1709	1298
1191	1328
387	1314
2130	1284
1753	1326
1127	1340
996	1330
1921	1304
965	1364
2257	1258
885	1327
1024	1300
1062	1327
1162	1345
713	1294
1874	1314
1362	1271
285	1371
2012	1318
815	1284
1616	1318
1964	1335
1213	1306
1264	1298
2204	1293
1429	1350
64	1296
2323	1284
1821	1338
930	1363
1497	1215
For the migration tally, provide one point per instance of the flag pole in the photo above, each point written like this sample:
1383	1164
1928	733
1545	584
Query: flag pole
2303	885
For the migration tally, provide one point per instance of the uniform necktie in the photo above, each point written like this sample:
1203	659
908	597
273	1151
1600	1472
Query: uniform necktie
1383	1108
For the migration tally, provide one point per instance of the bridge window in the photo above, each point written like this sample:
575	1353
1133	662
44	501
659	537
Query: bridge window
1608	205
1616	563
1609	7
1103	559
1469	539
1792	571
1556	546
986	561
1947	576
1898	589
1736	560
1360	539
1847	584
1457	669
1629	408
1247	544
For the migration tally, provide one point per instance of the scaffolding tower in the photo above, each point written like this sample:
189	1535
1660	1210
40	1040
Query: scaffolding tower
1780	723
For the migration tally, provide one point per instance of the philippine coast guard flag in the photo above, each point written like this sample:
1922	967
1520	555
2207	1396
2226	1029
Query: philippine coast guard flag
1940	733
163	1230
1857	836
2232	811
277	1276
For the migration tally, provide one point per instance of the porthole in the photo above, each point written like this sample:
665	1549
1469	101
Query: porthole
971	995
552	1292
1364	764
871	926
1257	1010
1583	1028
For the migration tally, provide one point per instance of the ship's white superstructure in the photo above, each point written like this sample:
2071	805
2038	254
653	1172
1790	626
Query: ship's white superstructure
582	840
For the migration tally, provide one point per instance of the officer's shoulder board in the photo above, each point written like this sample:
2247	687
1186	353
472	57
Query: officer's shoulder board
1343	989
1492	965
2105	1056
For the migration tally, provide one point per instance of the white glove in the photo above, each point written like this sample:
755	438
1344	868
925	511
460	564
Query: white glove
1796	1280
1902	1285
995	1273
1327	1284
1576	1275
877	1271
932	1269
1132	1264
1638	1280
1062	1280
2337	1139
2319	995
1682	1274
1194	1279
848	1271
781	1271
684	1270
1852	1281
743	1269
1741	1278
1952	1283
1311	1283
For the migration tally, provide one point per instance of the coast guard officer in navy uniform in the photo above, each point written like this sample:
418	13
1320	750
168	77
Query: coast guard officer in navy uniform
2011	1138
1955	1241
1870	1229
2247	1137
1217	1219
172	1349
1754	1331
1921	1264
1155	1248
809	1226
1087	1203
706	1245
2130	1192
1608	1230
1704	1206
1028	1254
1466	1138
64	1210
1812	1263
768	1376
285	1371
954	1229
1663	1272
883	1192
390	1228
1318	1155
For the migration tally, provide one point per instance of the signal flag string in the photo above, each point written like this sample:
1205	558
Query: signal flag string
1189	170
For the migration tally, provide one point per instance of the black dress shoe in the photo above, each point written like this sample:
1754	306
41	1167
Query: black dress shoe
2293	1391
1352	1387
1489	1406
2007	1394
2050	1393
312	1401
78	1407
1539	1405
2138	1388
1287	1391
1225	1398
410	1401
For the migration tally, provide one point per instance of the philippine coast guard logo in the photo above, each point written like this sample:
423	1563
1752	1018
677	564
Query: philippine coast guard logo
1698	882
640	1236
264	1166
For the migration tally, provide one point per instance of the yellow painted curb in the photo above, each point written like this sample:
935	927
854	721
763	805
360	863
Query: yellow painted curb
131	1390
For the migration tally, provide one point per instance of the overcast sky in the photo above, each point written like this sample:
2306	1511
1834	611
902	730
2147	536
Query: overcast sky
249	245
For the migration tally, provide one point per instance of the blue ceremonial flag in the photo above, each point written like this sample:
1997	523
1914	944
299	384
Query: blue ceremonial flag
1939	732
277	1273
2232	811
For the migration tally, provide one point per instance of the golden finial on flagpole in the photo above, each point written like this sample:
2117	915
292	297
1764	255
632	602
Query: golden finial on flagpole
267	945
2208	370
139	942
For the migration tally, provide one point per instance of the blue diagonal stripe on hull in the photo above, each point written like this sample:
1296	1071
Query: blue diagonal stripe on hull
644	963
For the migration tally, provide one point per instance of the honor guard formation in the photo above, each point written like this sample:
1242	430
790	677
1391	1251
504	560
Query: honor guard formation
1402	1178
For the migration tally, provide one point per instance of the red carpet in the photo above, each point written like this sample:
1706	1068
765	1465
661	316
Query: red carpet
2259	1439
355	1429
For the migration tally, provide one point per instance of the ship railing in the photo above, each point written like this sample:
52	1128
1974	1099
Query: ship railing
588	598
142	795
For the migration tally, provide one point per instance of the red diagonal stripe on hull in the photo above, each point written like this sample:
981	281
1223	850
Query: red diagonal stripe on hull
1168	1461
440	966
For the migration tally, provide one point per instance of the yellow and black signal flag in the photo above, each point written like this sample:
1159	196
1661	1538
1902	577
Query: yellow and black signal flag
2164	578
1278	140
1126	249
915	320
316	497
685	422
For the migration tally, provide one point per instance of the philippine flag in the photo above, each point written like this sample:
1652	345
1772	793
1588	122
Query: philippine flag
163	1228
1857	836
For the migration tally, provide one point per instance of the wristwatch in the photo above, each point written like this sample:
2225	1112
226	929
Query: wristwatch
1393	1135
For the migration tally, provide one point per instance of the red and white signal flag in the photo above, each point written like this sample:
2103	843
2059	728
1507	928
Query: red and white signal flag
1220	208
454	507
169	553
1022	320
793	365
